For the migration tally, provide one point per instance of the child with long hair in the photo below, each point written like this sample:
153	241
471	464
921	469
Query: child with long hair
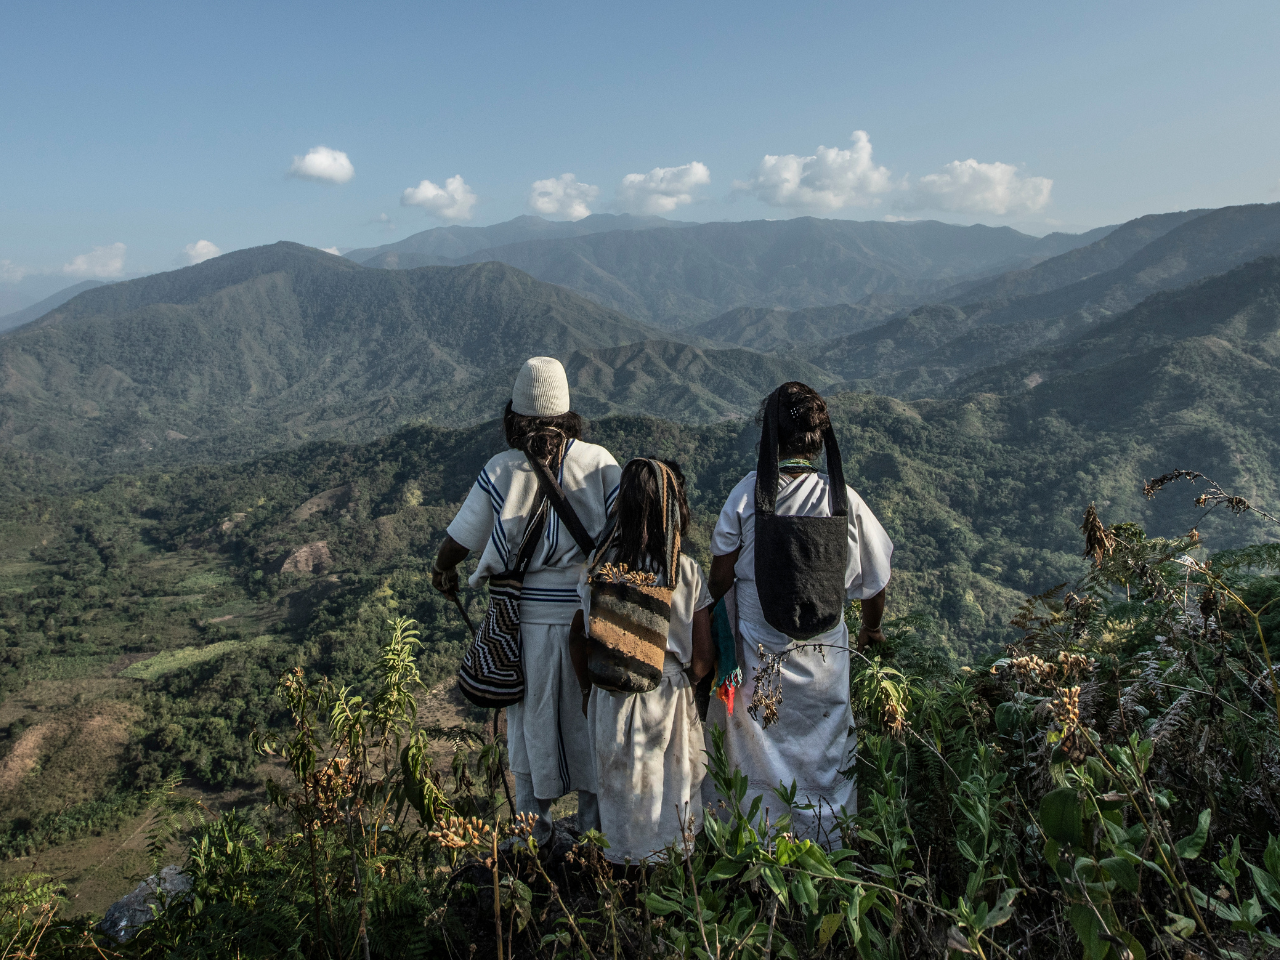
649	745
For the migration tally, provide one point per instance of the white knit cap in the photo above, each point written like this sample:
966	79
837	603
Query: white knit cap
541	390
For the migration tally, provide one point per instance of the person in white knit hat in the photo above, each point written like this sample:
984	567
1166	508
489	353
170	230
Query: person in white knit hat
547	737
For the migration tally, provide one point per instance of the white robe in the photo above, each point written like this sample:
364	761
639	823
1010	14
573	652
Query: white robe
648	747
547	738
813	742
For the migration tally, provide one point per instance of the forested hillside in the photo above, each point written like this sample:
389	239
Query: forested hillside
924	352
268	347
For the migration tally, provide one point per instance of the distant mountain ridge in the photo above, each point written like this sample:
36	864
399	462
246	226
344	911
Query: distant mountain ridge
923	353
1231	320
1076	263
435	246
38	310
1200	246
677	278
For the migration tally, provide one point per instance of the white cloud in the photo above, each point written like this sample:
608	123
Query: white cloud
100	262
200	251
894	218
453	201
10	272
562	196
967	186
825	182
322	163
333	250
662	189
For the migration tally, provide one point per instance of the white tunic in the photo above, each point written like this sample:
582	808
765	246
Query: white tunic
649	746
547	737
813	741
495	514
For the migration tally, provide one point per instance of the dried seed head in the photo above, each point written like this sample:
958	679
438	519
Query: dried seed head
619	573
1098	540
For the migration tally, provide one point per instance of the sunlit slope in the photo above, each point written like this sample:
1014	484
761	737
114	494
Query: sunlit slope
924	352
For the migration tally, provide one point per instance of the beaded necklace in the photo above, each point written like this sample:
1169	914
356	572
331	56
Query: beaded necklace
797	465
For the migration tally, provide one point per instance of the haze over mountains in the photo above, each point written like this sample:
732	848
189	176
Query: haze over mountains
675	277
38	310
434	247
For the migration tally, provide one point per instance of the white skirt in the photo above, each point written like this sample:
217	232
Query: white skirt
649	765
547	738
813	742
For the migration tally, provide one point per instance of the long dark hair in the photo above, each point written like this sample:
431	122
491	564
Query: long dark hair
540	437
802	419
640	540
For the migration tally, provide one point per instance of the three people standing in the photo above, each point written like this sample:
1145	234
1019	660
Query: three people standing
634	755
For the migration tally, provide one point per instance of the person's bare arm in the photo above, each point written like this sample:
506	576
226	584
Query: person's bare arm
722	574
444	576
704	651
872	617
578	642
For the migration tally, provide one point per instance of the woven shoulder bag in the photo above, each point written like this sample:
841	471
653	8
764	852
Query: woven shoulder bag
492	672
631	609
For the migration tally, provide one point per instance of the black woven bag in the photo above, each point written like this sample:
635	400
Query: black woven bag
800	561
492	672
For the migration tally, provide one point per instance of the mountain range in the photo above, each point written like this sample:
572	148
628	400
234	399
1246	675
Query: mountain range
278	344
679	277
927	350
268	347
978	424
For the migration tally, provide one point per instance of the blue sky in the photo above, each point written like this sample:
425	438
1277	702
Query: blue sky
133	131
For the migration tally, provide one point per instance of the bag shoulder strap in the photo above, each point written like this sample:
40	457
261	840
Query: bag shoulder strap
532	533
563	508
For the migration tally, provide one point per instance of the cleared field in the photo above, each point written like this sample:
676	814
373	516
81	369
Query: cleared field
170	660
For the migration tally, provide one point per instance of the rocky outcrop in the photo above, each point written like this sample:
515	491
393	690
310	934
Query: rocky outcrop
324	501
231	522
310	558
129	914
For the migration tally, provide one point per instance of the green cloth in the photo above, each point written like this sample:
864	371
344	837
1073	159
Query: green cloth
728	673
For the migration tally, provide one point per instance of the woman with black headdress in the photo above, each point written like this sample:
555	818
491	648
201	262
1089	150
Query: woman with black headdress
794	544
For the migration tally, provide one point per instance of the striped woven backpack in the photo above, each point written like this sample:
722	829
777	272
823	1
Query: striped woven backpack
492	672
631	609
